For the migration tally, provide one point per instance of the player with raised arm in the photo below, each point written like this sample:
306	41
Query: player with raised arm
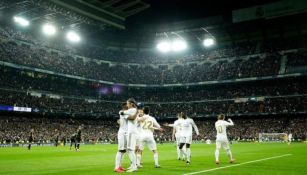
130	115
122	139
185	135
148	125
221	138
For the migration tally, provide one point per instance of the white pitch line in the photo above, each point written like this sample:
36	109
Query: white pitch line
234	165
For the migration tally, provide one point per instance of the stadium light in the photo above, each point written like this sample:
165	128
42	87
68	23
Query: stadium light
21	21
164	46
73	37
49	29
208	42
179	45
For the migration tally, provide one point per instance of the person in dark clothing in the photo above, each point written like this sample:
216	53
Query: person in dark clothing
56	141
31	139
73	140
78	138
64	141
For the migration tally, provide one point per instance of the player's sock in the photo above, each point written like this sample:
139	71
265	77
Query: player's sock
217	154
229	154
132	158
156	158
118	159
121	159
184	156
138	159
183	152
178	152
188	151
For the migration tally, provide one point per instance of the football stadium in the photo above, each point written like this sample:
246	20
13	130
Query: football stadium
167	87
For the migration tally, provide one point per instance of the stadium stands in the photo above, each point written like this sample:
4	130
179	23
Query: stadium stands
15	129
63	95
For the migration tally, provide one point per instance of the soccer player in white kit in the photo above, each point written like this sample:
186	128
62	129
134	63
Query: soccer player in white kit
176	136
131	115
185	134
138	152
122	139
221	138
289	138
148	125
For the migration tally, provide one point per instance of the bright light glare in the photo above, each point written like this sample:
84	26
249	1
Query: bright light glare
164	46
21	21
179	45
73	37
49	29
208	42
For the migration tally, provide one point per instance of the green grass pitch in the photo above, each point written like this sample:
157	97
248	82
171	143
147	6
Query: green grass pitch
99	160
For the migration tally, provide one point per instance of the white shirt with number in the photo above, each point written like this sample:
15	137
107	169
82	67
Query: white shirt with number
220	127
148	124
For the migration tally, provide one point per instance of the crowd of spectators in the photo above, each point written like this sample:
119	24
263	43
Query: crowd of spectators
296	59
47	130
95	51
139	74
75	106
40	82
279	96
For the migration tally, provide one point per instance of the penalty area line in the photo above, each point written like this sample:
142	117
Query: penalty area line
239	164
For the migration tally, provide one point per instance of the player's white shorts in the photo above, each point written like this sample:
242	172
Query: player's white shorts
138	140
185	139
222	143
122	140
131	141
149	141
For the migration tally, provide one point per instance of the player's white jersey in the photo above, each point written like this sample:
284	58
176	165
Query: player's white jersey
220	127
178	125
290	137
185	127
132	124
191	125
123	123
176	128
148	125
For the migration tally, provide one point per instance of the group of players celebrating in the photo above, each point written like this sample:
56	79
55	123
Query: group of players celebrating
136	128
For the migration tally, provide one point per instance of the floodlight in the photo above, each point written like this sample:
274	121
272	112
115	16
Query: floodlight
21	21
208	42
73	36
179	45
49	29
164	46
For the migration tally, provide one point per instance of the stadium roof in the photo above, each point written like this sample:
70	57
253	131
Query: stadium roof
137	23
